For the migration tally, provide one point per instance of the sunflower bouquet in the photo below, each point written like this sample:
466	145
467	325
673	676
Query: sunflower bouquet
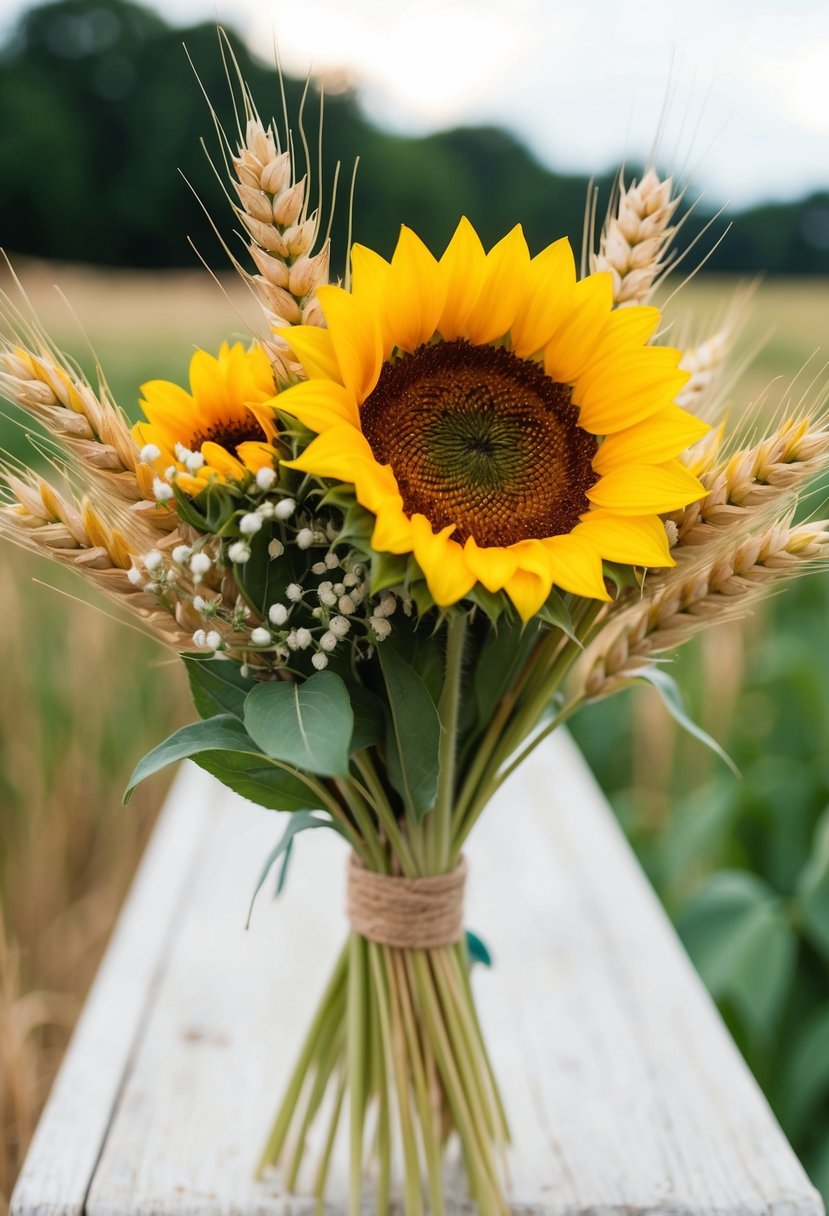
435	509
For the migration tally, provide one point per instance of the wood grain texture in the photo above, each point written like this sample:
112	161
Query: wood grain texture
624	1090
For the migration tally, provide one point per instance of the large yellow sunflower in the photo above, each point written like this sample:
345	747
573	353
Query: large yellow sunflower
501	420
222	429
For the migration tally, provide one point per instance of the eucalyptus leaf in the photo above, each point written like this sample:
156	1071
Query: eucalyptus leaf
301	821
412	735
309	725
222	733
369	717
738	935
258	779
217	686
671	695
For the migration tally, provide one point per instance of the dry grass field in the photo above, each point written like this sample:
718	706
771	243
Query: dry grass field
82	697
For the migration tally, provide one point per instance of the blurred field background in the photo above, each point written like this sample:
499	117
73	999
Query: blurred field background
742	866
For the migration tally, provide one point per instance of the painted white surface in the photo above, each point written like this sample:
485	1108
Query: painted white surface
622	1086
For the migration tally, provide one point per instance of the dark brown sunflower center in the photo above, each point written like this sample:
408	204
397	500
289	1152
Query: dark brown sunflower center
229	433
479	438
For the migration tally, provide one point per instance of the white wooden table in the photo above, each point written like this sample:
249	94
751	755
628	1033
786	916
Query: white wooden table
624	1089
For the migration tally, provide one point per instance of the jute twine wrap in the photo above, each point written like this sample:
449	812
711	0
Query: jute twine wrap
409	913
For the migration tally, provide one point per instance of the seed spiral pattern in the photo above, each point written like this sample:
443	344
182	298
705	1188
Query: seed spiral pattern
481	439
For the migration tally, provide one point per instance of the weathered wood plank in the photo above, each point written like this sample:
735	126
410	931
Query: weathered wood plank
623	1088
72	1129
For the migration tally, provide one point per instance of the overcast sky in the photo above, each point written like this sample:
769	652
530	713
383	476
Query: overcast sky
582	82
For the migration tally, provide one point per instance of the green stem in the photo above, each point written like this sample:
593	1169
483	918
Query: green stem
331	1008
356	1065
362	816
325	1160
385	813
448	711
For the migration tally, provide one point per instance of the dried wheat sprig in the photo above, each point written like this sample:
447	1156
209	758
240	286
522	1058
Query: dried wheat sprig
41	519
89	426
719	591
636	237
273	207
755	478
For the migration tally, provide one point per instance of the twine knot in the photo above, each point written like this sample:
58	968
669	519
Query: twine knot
408	913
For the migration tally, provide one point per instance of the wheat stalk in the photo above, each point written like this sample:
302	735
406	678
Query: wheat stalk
273	207
88	425
753	479
44	521
719	591
636	236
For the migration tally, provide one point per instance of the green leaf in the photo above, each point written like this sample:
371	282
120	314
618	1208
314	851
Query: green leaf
671	695
412	733
813	890
805	1074
222	733
388	570
502	657
554	611
309	725
302	821
736	931
217	686
258	779
369	717
477	949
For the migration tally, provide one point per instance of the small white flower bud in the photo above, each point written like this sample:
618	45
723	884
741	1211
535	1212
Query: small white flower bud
319	568
346	605
265	509
214	640
339	588
135	576
170	472
182	452
276	548
339	626
152	560
239	552
304	638
149	453
260	637
350	580
291	640
387	606
332	561
181	554
265	478
250	524
304	538
277	614
285	508
319	660
328	641
381	627
328	598
194	462
293	592
201	605
316	613
200	638
161	491
200	563
672	533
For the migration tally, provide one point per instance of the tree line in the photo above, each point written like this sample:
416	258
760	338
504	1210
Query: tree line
101	120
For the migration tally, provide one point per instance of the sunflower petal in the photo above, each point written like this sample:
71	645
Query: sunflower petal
218	458
393	529
415	295
355	335
504	284
631	540
335	453
320	404
462	271
527	592
627	328
370	283
628	393
312	345
442	561
256	456
548	298
570	349
577	565
656	439
646	489
492	566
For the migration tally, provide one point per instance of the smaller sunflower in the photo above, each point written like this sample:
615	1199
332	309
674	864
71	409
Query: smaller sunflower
223	429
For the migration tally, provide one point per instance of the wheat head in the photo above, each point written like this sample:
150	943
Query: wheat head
636	237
